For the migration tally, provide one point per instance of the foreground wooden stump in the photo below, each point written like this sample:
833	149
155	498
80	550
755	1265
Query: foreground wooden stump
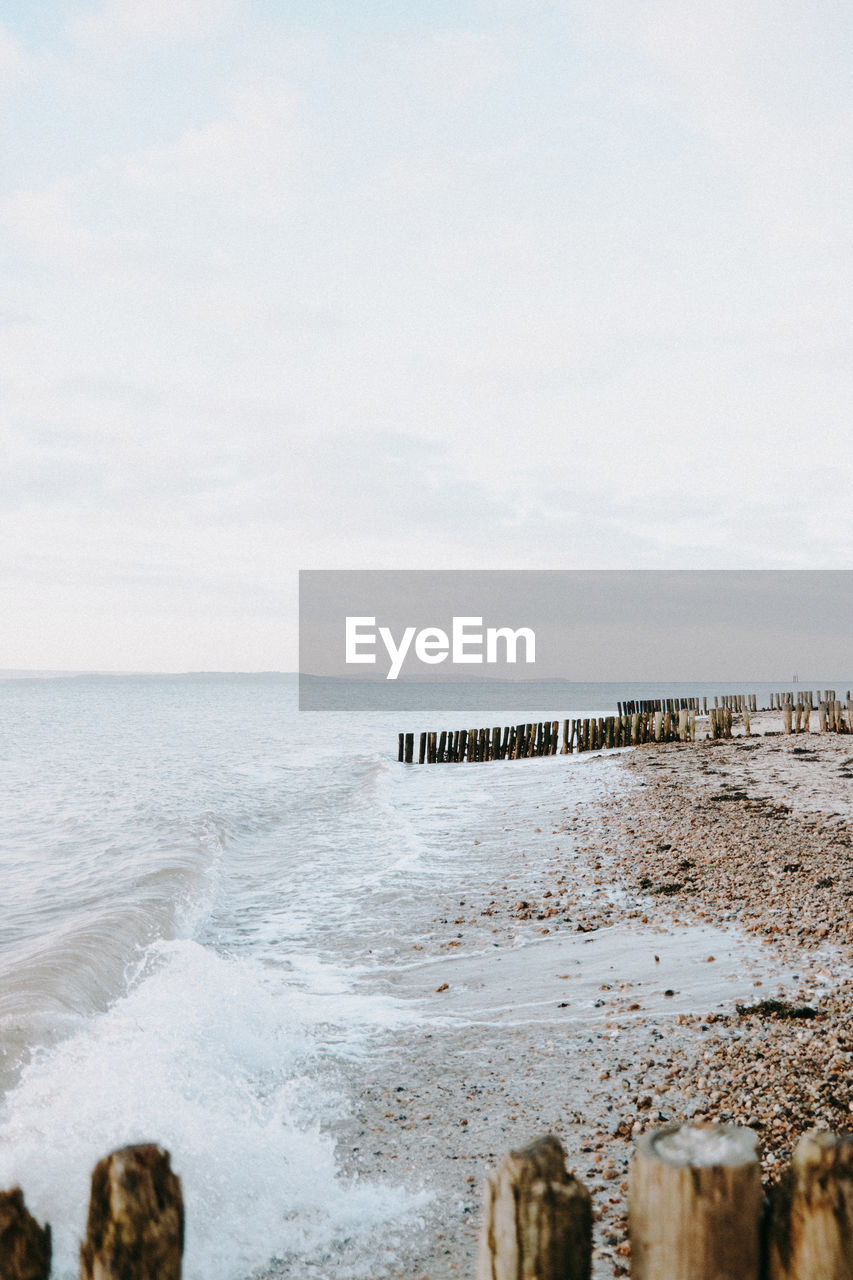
136	1218
25	1247
812	1232
537	1218
695	1204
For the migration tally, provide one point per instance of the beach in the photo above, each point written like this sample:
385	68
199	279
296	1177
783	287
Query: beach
338	989
678	948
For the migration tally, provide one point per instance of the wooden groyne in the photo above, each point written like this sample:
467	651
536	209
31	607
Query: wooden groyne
654	720
697	1210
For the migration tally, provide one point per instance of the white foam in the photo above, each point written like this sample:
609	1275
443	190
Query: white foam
702	1146
214	1059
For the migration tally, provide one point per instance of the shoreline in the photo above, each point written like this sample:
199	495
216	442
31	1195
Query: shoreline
744	842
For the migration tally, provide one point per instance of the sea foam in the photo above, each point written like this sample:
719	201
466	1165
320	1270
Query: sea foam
215	1059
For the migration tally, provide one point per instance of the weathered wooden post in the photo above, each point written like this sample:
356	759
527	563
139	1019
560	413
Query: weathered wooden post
25	1247
410	747
135	1229
537	1218
821	711
811	1235
746	722
695	1204
787	714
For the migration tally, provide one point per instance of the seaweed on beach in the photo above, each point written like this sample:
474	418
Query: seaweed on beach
777	1009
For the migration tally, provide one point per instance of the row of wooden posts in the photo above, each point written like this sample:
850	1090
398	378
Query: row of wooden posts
516	742
803	698
731	702
734	701
696	1211
552	737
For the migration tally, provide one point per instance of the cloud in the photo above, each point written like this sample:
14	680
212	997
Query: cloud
47	221
242	161
421	293
122	26
14	63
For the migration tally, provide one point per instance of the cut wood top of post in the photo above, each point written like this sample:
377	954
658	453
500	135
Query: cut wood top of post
822	1147
700	1146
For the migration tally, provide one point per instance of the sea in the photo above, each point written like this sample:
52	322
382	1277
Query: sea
200	885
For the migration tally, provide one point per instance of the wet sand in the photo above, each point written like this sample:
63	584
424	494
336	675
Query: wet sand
691	956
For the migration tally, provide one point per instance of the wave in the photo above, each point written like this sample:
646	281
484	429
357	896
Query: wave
218	1060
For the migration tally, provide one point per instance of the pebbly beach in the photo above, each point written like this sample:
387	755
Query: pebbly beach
678	948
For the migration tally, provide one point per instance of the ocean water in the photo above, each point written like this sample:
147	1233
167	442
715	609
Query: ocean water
198	884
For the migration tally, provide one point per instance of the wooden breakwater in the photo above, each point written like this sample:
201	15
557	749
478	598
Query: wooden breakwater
697	1210
654	720
546	737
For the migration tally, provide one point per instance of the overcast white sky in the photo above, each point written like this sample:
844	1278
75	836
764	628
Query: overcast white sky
348	284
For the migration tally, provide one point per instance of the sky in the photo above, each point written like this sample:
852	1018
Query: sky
511	284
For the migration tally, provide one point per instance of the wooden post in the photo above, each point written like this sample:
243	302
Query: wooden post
746	722
565	750
400	747
811	1235
25	1247
537	1218
136	1218
787	713
695	1204
410	747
